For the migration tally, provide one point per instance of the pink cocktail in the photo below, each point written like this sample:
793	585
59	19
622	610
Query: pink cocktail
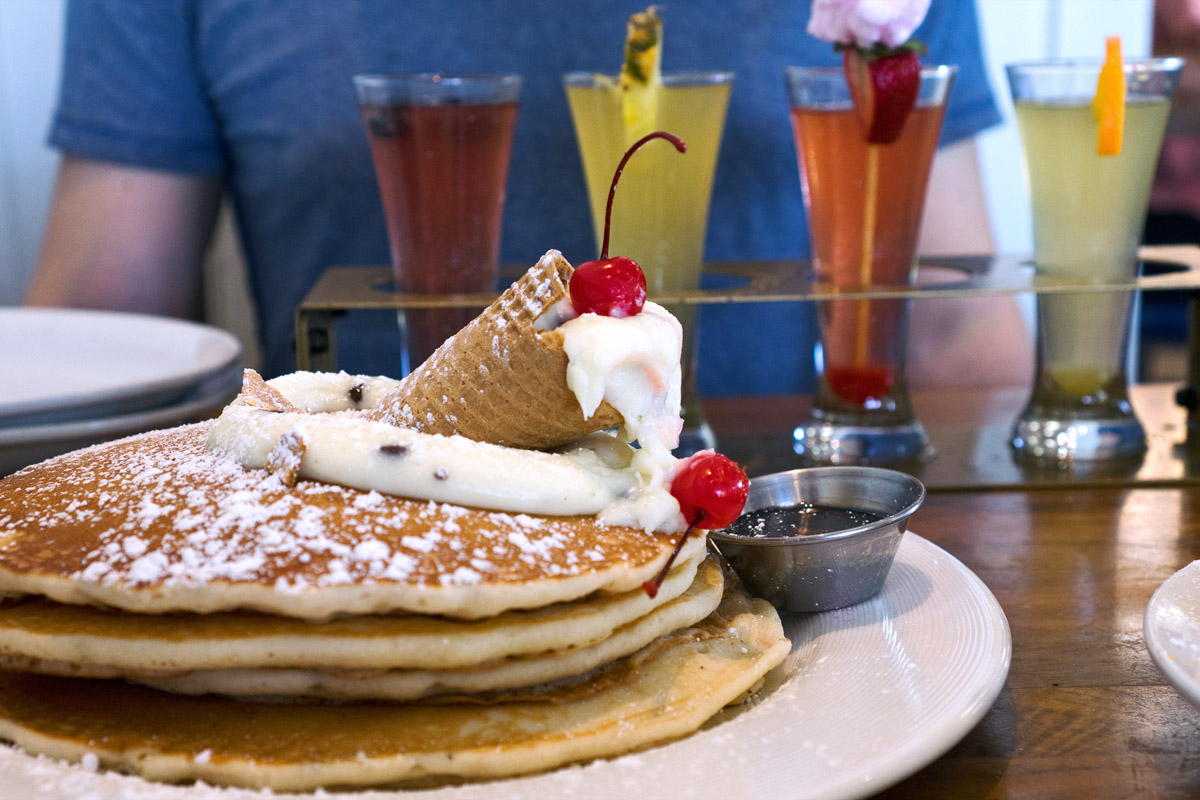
441	147
864	203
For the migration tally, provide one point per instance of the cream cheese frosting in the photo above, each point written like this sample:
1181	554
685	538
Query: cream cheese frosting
633	363
630	362
341	446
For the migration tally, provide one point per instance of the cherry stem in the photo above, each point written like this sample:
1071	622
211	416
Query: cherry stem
612	189
651	587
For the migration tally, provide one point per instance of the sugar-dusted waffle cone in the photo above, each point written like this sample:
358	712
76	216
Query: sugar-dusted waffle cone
500	379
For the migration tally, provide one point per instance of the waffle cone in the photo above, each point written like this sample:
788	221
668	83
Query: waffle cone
500	379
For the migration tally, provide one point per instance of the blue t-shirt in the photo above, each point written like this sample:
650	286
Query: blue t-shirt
260	92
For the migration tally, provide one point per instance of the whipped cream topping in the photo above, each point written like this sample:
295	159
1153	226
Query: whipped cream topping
341	446
633	363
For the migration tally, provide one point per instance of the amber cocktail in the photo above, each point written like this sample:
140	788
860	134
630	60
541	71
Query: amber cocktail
864	203
441	146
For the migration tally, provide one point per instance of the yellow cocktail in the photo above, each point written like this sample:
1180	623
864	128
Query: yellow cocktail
660	213
1089	196
1088	213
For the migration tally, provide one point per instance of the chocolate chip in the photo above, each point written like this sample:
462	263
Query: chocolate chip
394	449
441	474
356	393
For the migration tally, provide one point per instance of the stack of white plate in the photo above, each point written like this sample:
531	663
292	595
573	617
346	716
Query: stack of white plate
71	378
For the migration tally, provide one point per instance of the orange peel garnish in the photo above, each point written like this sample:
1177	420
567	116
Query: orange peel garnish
1109	103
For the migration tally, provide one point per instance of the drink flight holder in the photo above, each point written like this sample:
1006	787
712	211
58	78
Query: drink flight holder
1173	267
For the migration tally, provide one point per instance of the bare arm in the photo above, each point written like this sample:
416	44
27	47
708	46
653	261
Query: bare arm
125	238
956	216
964	341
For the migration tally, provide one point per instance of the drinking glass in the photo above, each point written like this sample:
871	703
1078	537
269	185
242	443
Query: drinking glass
1088	215
864	204
441	147
660	213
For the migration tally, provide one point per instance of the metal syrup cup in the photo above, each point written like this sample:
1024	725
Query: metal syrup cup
824	571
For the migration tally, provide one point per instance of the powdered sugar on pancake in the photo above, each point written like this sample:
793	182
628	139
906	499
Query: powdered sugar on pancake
158	522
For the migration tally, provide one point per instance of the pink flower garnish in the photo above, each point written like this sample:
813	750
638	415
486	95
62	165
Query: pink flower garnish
866	22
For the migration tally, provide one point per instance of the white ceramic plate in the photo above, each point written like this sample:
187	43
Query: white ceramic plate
869	695
58	365
22	446
1172	629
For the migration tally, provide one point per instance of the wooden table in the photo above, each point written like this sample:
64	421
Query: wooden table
1073	557
1084	712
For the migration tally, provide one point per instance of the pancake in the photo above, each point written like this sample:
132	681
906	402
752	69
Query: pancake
259	600
157	523
695	604
143	643
666	690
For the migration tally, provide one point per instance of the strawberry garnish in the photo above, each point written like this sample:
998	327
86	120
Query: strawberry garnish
883	83
858	383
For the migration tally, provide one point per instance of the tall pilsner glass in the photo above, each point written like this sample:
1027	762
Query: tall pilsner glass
660	213
441	146
864	204
1088	215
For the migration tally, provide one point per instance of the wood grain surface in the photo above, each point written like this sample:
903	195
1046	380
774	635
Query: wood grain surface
1084	713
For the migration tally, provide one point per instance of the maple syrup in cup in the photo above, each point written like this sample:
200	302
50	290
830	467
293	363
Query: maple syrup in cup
864	203
441	147
660	213
1088	215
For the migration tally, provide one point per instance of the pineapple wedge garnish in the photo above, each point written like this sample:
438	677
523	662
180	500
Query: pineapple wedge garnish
641	73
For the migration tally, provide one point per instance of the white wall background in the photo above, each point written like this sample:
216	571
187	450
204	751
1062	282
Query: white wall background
1015	30
30	49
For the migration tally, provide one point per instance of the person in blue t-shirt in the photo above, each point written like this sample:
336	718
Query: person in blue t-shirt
165	106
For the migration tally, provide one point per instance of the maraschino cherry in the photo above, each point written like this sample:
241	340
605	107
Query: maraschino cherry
711	490
614	287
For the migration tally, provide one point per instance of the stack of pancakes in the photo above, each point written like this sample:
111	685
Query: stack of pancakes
182	617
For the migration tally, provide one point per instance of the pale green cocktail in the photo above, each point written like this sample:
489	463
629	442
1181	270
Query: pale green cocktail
1088	214
1089	211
